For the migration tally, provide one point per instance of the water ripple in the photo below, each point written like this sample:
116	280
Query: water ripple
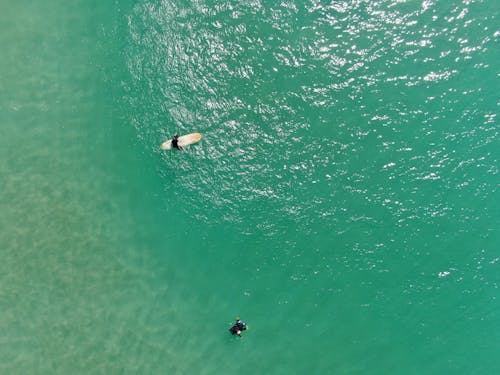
309	107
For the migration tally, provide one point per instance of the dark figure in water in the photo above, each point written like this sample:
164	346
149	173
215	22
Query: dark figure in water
238	327
175	142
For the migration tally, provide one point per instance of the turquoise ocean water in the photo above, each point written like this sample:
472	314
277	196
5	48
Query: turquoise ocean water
344	199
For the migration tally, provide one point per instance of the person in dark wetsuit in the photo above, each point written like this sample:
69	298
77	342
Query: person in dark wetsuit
238	327
175	143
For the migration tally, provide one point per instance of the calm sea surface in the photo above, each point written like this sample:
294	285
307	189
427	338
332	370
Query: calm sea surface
344	200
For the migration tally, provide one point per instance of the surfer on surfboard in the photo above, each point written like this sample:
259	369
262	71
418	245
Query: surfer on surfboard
180	142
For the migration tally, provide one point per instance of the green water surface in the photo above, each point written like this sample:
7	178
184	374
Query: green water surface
344	200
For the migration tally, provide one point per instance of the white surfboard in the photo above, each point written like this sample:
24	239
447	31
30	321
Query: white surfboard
183	141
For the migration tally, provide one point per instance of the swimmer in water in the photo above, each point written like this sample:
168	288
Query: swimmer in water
238	327
175	142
